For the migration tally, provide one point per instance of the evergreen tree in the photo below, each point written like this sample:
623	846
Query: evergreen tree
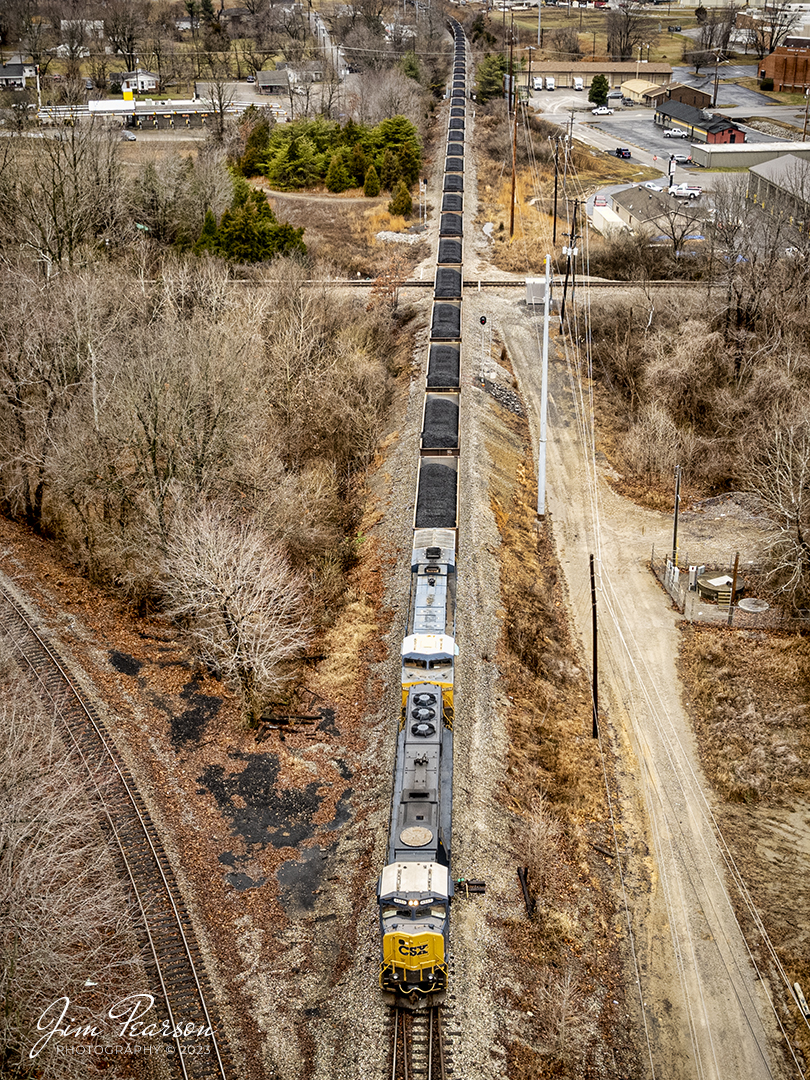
371	187
599	90
491	73
389	173
337	175
208	237
285	240
255	148
401	202
359	164
410	65
409	164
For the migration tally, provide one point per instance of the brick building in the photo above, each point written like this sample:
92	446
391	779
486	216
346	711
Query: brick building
789	68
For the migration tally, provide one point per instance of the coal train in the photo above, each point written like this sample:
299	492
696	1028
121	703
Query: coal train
415	888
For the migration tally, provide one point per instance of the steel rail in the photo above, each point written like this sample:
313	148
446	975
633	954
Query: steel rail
167	924
407	1028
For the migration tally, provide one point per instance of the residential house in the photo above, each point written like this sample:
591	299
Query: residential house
15	76
658	215
303	72
641	208
698	126
139	82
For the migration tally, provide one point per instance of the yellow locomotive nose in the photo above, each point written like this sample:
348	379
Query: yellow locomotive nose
413	963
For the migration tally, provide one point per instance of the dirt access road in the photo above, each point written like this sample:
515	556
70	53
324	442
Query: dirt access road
705	1011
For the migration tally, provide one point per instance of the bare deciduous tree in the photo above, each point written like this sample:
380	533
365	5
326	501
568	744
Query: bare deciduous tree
245	607
771	29
124	25
63	197
780	476
564	41
217	91
627	28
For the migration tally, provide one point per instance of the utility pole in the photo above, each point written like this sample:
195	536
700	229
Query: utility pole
541	457
595	684
511	81
571	252
514	129
531	50
677	505
556	174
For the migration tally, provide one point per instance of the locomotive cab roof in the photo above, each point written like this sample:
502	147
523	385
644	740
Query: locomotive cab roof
419	647
415	879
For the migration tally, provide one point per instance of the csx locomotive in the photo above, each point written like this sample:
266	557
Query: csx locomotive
415	887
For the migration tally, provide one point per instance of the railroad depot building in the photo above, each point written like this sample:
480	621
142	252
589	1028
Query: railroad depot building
715	129
615	71
781	187
789	68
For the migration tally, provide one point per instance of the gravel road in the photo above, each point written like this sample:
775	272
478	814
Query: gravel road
705	1010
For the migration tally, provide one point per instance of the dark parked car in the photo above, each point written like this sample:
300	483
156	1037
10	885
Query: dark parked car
622	151
628	102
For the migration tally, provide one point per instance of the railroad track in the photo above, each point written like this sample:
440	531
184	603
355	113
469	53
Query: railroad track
169	949
418	1046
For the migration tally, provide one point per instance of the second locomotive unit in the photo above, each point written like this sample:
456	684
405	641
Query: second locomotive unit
415	888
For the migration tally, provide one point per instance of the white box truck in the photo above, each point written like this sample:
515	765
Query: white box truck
537	82
550	82
578	82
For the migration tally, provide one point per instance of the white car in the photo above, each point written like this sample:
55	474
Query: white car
602	110
650	185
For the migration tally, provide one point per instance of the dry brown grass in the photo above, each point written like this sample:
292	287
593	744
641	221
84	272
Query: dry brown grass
747	691
534	191
566	955
342	233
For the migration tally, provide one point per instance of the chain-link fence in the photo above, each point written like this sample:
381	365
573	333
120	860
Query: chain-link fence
701	589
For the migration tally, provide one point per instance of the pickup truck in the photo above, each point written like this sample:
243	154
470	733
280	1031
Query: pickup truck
686	191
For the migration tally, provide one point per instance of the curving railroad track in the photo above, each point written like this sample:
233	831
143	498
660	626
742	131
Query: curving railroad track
169	949
418	1049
